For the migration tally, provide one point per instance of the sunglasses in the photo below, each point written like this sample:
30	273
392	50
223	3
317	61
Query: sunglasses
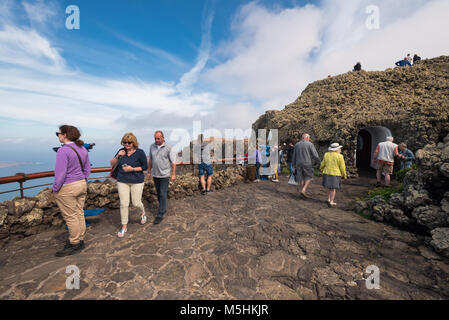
58	133
127	142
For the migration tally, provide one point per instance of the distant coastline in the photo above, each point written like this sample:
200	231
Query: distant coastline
4	164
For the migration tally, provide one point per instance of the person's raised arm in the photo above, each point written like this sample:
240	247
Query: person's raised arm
114	160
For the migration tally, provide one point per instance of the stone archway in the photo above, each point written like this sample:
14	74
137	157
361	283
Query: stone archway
367	140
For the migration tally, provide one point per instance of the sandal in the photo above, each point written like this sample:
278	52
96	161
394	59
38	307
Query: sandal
122	232
143	219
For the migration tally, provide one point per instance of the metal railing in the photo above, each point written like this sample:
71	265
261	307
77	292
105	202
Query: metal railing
20	178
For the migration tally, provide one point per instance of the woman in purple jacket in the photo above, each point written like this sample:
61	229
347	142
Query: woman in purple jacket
70	187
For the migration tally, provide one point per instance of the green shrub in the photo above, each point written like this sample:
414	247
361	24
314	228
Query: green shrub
317	172
384	192
399	175
285	171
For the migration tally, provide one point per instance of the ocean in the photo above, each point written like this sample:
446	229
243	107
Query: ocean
32	163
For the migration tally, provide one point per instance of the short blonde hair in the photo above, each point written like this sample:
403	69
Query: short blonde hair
131	138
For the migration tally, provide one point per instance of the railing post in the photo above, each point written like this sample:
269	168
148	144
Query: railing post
21	183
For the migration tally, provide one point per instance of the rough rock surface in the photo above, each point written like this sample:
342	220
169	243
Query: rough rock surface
251	241
412	102
424	203
23	217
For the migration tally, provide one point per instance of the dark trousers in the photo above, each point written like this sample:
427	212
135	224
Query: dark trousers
161	185
257	170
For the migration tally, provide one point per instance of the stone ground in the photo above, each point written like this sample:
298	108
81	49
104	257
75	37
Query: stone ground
252	241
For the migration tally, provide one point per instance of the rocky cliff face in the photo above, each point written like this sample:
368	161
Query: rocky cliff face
424	203
24	217
412	102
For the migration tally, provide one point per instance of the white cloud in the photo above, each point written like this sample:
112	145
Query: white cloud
40	12
271	56
274	54
190	78
27	48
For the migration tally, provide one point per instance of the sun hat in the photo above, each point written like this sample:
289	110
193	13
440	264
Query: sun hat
334	147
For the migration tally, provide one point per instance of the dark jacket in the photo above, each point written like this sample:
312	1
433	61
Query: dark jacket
358	67
289	151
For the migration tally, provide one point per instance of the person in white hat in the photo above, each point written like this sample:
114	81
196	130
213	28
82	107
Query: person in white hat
333	169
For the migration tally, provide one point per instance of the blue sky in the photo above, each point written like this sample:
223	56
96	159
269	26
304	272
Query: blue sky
141	65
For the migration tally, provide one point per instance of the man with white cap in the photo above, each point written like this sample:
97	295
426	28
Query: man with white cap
384	156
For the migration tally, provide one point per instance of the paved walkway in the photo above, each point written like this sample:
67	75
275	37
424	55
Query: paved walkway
252	241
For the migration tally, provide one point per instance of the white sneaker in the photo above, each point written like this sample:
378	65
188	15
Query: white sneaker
143	219
275	180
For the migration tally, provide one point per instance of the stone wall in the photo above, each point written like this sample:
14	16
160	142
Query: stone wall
424	204
27	216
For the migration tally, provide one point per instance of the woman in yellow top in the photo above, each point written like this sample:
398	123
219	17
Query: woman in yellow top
333	169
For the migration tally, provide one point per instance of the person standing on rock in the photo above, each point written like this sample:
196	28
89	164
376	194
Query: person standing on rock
409	58
132	162
333	169
416	58
358	67
204	164
304	156
384	156
70	186
162	166
406	156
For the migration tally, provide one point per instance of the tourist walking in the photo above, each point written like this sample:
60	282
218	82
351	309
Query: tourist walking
304	157
406	156
204	164
162	166
70	186
131	162
384	156
333	169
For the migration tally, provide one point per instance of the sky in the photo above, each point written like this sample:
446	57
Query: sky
140	65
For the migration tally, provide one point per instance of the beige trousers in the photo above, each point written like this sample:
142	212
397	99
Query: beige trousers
70	199
124	190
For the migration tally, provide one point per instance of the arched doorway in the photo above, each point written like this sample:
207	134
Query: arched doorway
367	141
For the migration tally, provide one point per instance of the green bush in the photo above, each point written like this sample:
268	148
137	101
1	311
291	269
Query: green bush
317	172
285	171
384	192
399	175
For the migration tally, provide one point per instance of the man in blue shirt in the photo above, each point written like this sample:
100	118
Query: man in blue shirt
406	156
403	63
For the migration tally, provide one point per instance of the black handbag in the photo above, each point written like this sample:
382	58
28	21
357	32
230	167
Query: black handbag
114	172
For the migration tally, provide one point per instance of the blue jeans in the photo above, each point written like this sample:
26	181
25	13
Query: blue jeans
290	166
205	167
161	185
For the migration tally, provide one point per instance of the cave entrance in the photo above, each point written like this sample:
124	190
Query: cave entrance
367	141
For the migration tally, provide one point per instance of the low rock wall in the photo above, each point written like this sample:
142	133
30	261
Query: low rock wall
27	216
